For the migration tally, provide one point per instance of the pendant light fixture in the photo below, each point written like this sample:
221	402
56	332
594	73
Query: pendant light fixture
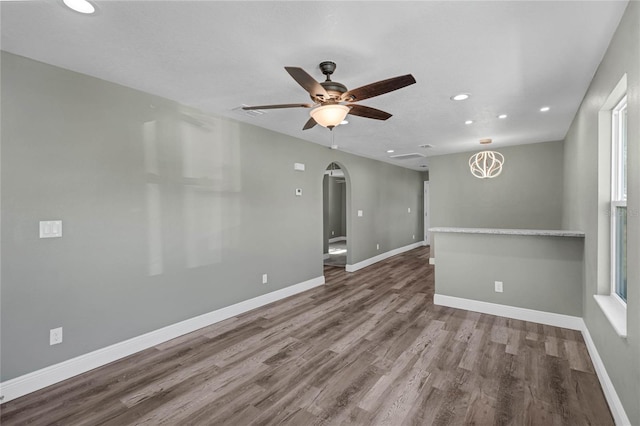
486	164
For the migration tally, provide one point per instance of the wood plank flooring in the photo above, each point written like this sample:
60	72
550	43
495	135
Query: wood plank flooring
368	348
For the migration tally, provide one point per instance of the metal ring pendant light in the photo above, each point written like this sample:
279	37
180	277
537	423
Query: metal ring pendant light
486	164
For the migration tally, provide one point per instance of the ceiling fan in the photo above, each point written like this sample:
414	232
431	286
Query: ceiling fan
332	101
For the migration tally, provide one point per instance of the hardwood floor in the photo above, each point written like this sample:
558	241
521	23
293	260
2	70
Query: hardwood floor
367	348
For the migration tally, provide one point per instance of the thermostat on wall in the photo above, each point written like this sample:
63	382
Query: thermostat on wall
298	192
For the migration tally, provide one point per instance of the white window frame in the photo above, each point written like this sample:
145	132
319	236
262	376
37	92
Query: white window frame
610	304
618	195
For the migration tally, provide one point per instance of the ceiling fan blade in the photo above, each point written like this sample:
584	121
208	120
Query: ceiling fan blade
309	124
277	106
368	112
378	88
307	82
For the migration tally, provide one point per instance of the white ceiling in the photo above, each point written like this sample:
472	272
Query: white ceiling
513	57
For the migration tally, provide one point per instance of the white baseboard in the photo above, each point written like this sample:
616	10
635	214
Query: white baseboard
548	318
383	256
31	382
615	405
336	239
541	317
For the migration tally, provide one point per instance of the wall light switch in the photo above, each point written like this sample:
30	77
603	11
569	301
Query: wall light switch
408	209
50	228
299	167
359	213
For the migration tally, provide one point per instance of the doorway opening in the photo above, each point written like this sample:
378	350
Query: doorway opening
334	190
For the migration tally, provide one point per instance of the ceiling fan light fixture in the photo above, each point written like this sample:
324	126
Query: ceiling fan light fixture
82	6
330	115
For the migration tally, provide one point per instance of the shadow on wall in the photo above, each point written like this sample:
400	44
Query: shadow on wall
208	179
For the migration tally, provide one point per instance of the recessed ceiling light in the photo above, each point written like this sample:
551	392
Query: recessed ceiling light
502	116
544	109
460	97
82	6
468	122
390	151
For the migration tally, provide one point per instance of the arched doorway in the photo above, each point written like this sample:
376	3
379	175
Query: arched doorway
336	191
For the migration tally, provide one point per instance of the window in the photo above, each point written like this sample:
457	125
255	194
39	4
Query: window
612	200
619	200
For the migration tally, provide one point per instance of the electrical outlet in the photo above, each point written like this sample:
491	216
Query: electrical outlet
264	278
333	233
498	286
408	209
377	246
55	336
414	237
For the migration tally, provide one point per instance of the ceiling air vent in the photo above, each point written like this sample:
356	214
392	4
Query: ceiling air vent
407	156
249	112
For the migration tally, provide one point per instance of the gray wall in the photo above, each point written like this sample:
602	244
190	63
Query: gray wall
342	214
541	273
384	203
337	199
528	193
167	212
583	210
326	232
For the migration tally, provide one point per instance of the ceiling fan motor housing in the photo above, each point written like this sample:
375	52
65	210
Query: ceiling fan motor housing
334	88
